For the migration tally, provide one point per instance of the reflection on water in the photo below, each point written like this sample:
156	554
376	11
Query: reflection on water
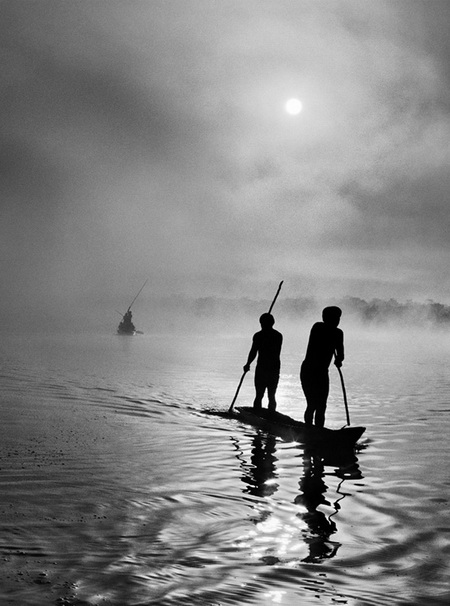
261	478
116	490
313	489
260	475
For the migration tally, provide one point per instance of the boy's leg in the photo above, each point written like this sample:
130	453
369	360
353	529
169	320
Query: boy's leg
309	414
321	401
320	415
257	402
271	391
260	388
308	390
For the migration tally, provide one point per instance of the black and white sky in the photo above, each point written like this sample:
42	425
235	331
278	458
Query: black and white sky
149	139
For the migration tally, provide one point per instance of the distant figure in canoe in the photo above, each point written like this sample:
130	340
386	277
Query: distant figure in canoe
325	341
126	326
267	346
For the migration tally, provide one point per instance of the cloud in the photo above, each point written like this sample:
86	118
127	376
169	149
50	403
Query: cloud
150	140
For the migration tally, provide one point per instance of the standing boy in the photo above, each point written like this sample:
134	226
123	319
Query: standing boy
325	341
267	345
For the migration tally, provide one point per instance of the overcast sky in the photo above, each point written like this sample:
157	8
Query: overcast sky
149	139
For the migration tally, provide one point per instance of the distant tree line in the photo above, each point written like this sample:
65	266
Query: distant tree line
373	311
379	310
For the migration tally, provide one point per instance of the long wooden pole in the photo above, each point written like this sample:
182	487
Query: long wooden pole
245	371
344	393
142	288
276	296
230	410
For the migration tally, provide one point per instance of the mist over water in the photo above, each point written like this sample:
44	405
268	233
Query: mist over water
221	315
118	489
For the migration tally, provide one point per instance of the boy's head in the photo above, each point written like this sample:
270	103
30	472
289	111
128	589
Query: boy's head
267	321
331	315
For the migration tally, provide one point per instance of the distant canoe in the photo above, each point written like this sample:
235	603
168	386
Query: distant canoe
126	333
129	333
126	327
295	431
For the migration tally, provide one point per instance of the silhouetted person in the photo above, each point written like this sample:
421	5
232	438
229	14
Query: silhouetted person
325	341
127	325
267	346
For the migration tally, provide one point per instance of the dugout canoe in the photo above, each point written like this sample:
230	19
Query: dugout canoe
291	430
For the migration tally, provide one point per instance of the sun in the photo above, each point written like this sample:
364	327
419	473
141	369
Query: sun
293	106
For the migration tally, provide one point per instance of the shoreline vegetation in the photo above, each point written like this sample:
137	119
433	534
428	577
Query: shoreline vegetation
374	311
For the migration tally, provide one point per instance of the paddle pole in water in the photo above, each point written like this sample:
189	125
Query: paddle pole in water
245	372
344	393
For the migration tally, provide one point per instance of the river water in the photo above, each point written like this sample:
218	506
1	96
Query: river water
117	487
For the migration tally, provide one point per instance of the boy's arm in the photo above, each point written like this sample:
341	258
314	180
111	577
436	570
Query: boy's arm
339	352
251	355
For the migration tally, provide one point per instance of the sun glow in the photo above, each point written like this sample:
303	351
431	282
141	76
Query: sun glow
293	106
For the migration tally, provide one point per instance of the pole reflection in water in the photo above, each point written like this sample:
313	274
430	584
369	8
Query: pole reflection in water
296	530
